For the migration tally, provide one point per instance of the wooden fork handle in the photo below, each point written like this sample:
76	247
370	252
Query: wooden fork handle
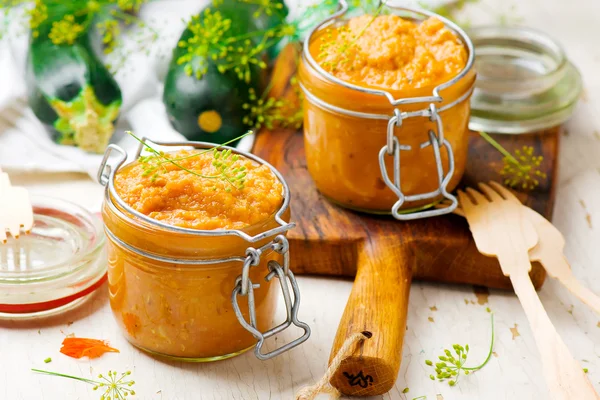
558	268
564	376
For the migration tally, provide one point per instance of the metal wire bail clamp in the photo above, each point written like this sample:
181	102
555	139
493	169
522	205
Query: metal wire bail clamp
245	287
436	141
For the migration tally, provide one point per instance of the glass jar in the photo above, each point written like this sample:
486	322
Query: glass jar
525	81
197	295
56	266
376	150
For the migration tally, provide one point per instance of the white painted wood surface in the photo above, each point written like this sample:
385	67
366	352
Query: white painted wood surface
513	373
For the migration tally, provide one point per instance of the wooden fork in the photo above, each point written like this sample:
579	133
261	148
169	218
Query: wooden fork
550	251
15	209
500	229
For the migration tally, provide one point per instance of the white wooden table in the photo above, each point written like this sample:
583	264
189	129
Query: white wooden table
459	316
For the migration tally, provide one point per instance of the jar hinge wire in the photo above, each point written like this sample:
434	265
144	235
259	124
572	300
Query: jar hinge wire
245	287
436	141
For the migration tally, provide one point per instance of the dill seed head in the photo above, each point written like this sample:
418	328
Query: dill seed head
65	31
522	170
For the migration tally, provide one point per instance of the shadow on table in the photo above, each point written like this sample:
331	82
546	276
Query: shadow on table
288	371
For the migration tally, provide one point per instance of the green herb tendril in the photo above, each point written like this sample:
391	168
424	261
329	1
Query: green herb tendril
223	162
115	386
452	364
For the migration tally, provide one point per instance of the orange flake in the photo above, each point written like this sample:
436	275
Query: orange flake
132	323
82	347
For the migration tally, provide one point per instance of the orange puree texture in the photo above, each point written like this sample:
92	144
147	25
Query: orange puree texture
389	52
179	198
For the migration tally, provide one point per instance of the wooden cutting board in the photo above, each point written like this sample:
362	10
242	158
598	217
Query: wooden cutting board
385	254
327	237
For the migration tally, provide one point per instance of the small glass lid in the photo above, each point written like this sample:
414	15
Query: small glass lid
524	81
60	261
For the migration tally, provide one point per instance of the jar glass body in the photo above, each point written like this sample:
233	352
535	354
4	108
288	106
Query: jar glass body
342	148
180	310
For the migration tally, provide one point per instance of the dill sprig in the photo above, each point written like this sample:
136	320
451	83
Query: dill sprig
293	111
261	111
65	31
206	43
65	21
115	386
266	7
241	58
223	163
211	41
271	112
520	170
338	46
451	364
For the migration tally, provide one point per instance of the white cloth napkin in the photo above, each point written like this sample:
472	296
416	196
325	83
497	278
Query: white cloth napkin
25	145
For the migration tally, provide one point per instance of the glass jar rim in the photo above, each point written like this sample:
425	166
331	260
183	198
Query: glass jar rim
519	36
412	13
525	81
107	173
58	209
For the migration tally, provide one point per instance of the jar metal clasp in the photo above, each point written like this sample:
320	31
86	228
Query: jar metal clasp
393	148
245	287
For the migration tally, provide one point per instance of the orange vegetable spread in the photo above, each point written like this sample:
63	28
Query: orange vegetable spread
173	305
389	52
178	197
346	128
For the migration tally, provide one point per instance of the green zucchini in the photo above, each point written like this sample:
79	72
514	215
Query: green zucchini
71	91
210	107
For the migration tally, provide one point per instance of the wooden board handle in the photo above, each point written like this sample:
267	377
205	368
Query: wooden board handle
378	304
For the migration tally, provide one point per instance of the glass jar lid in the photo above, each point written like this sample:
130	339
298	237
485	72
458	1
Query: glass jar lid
56	265
525	82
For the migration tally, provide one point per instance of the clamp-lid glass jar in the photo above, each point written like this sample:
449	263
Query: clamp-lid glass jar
383	133
177	291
